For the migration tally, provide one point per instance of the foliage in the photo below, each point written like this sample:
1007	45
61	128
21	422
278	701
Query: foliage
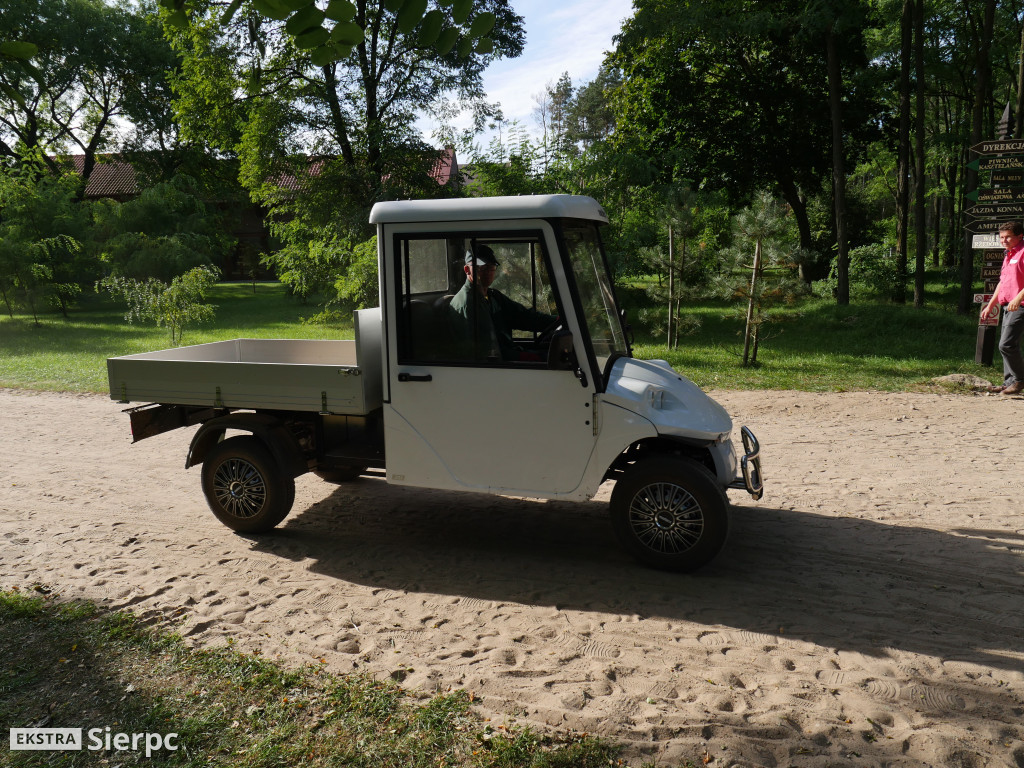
340	132
734	96
163	232
95	64
873	270
331	34
176	306
693	224
42	230
321	138
358	282
762	274
511	164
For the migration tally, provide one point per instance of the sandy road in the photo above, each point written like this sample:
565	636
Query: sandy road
868	611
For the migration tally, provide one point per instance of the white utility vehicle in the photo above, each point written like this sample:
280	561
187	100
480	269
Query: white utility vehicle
569	409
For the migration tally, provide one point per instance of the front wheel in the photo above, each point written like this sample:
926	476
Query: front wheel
245	487
670	513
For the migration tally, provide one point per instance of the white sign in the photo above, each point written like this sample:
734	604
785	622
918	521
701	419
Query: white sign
981	242
46	739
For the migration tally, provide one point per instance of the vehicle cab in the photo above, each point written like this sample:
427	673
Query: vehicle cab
522	382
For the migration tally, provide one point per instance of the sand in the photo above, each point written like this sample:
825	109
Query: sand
868	611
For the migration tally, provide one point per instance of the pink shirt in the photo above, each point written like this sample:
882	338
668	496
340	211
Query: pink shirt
1011	277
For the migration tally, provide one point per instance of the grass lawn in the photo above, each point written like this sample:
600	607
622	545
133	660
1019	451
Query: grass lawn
70	355
70	665
814	345
817	345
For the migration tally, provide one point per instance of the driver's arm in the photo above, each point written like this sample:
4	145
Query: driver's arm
524	318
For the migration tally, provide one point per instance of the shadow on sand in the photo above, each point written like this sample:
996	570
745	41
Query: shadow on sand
847	583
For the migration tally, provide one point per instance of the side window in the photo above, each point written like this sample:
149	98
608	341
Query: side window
474	298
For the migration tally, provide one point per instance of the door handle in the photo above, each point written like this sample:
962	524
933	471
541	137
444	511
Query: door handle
414	377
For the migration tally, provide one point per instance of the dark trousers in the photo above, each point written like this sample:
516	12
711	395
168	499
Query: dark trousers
1009	346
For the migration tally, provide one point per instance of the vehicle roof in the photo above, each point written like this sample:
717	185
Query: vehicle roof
483	208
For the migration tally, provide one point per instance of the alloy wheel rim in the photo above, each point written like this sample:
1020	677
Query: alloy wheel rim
239	488
666	518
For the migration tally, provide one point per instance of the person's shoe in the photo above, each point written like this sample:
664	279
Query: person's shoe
1014	389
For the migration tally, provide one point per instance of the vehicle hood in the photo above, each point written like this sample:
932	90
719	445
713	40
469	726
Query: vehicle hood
673	403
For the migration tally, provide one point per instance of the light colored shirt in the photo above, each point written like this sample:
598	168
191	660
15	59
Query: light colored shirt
1011	276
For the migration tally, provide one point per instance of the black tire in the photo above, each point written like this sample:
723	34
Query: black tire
670	513
340	475
245	487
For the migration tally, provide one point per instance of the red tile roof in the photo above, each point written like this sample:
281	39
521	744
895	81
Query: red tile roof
115	177
110	177
446	169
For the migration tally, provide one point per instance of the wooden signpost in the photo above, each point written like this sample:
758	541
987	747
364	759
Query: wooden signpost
987	208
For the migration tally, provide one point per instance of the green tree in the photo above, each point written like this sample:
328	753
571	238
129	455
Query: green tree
309	260
164	232
42	231
512	164
692	223
320	138
735	96
591	116
762	273
95	64
176	306
247	88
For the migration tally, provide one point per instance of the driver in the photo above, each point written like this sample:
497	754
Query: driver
484	317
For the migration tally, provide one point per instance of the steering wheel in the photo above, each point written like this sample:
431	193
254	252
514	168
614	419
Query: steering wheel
549	331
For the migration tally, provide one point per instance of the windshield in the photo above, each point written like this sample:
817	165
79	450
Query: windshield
594	284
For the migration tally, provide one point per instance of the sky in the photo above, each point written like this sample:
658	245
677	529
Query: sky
561	36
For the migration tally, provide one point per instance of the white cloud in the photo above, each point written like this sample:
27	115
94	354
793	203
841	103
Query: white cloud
561	36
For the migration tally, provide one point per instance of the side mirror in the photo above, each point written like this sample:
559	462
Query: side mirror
561	355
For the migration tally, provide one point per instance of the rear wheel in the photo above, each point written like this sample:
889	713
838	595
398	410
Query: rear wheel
245	487
670	513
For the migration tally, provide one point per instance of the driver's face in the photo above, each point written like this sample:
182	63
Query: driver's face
481	276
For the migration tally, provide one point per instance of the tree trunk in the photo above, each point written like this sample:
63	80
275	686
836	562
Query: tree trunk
797	203
982	92
748	332
835	98
920	229
7	301
671	287
903	152
677	302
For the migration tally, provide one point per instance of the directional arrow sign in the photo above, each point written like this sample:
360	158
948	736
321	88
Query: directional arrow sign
996	210
1001	195
999	146
981	242
1006	162
1004	178
984	225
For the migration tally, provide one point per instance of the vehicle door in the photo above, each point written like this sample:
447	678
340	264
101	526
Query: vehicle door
473	416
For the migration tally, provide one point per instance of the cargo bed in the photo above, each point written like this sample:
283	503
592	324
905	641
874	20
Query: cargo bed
341	376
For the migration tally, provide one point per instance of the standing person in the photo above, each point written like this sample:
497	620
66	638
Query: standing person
1009	294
